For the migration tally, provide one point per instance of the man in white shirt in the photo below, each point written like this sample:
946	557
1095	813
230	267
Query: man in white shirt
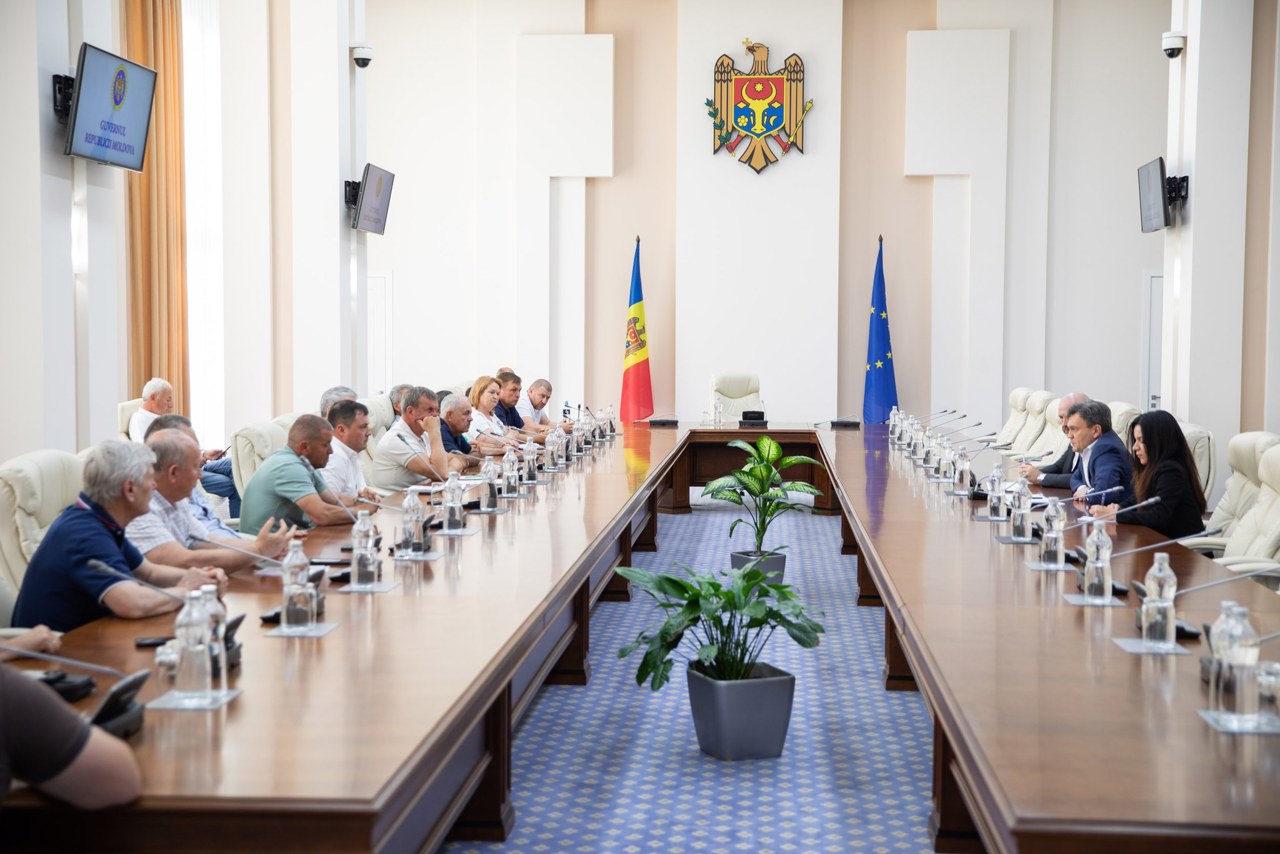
411	451
532	407
157	400
168	533
343	473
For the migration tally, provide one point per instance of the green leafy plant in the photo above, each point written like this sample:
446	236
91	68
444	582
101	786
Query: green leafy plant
724	617
758	486
717	123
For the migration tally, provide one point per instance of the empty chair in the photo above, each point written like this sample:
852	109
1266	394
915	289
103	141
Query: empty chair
1244	454
1255	542
380	417
1052	438
124	412
1033	426
252	444
1200	440
738	393
1017	417
1122	415
34	489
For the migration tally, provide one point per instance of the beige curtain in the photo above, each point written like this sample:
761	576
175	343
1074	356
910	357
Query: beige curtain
156	223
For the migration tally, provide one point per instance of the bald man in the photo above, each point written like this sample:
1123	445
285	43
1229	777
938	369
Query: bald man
287	486
1057	475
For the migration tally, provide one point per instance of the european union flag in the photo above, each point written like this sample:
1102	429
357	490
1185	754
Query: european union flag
880	394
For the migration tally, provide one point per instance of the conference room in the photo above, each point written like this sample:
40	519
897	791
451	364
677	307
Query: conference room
370	193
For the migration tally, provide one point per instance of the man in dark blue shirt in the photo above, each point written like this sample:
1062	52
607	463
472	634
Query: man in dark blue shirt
455	420
62	591
509	386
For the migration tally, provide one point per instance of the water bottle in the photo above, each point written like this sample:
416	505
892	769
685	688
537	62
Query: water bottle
298	611
894	422
510	474
1052	552
193	682
567	412
453	514
362	532
1097	569
995	493
579	438
1020	526
491	476
613	423
411	518
1159	623
217	637
530	451
1217	646
717	409
960	472
1236	700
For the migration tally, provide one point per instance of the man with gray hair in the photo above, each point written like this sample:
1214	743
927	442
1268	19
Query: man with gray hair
157	400
1057	475
1104	460
61	589
333	395
412	450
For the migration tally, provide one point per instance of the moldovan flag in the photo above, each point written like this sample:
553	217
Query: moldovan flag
880	394
637	387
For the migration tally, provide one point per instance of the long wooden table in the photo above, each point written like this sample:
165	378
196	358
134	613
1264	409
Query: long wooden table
395	730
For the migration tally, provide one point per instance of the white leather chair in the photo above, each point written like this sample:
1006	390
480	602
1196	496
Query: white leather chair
1017	418
1122	415
1255	542
252	444
380	416
737	392
124	411
1033	426
1244	455
1051	437
34	489
1200	440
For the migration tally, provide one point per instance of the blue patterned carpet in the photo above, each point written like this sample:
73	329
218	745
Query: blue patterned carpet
615	767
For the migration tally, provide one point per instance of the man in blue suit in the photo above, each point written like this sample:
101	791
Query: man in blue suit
1102	460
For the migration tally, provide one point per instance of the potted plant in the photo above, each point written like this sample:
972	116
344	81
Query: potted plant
741	707
758	486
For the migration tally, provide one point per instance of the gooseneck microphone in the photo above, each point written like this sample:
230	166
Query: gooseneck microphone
425	459
98	566
924	418
1210	533
248	552
958	429
1155	499
58	659
1226	580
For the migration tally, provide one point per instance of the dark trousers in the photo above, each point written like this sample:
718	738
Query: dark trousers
217	480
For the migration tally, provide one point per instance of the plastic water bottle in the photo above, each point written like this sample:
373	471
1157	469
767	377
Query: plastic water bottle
567	412
1217	646
193	681
1159	623
1097	569
453	514
1020	526
995	493
894	422
961	470
510	474
1052	552
298	610
1237	696
217	637
411	518
364	562
530	451
362	532
491	477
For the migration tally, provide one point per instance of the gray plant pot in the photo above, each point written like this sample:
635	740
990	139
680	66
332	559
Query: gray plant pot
744	718
773	566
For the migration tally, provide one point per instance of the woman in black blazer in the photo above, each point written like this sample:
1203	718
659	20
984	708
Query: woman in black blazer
1163	466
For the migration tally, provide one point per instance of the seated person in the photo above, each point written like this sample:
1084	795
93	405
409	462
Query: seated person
62	591
1105	462
487	433
532	407
170	534
411	451
1163	466
455	420
333	395
39	639
344	474
198	500
287	486
1057	474
397	395
157	400
508	396
46	743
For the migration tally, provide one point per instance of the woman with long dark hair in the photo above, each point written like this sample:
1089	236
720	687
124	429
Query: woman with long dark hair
1162	466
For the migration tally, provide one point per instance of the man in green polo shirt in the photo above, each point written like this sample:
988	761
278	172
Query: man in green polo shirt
288	486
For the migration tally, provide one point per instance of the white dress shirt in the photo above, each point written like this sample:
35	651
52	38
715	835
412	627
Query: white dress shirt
343	472
139	421
391	457
481	423
530	415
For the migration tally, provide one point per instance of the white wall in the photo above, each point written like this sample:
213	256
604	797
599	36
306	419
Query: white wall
757	255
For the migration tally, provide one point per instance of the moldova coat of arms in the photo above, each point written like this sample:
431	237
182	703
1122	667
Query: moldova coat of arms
748	109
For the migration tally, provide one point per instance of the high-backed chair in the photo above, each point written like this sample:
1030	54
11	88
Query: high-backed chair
1122	415
1033	426
1255	542
124	412
1051	438
1017	417
1244	454
380	417
1200	440
34	489
252	444
737	392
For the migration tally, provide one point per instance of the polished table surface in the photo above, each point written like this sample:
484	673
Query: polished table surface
1061	738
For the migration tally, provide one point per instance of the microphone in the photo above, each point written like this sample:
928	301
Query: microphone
98	566
948	421
363	500
1024	459
958	429
668	420
58	659
924	418
1155	499
420	456
844	422
248	552
1209	533
1226	580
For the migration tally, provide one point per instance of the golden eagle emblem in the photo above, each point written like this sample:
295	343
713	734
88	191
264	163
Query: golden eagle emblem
749	109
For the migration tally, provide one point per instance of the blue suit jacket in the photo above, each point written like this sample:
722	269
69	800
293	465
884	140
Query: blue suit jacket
1109	465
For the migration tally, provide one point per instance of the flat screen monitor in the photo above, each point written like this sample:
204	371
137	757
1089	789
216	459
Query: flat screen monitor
111	109
1156	213
374	200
